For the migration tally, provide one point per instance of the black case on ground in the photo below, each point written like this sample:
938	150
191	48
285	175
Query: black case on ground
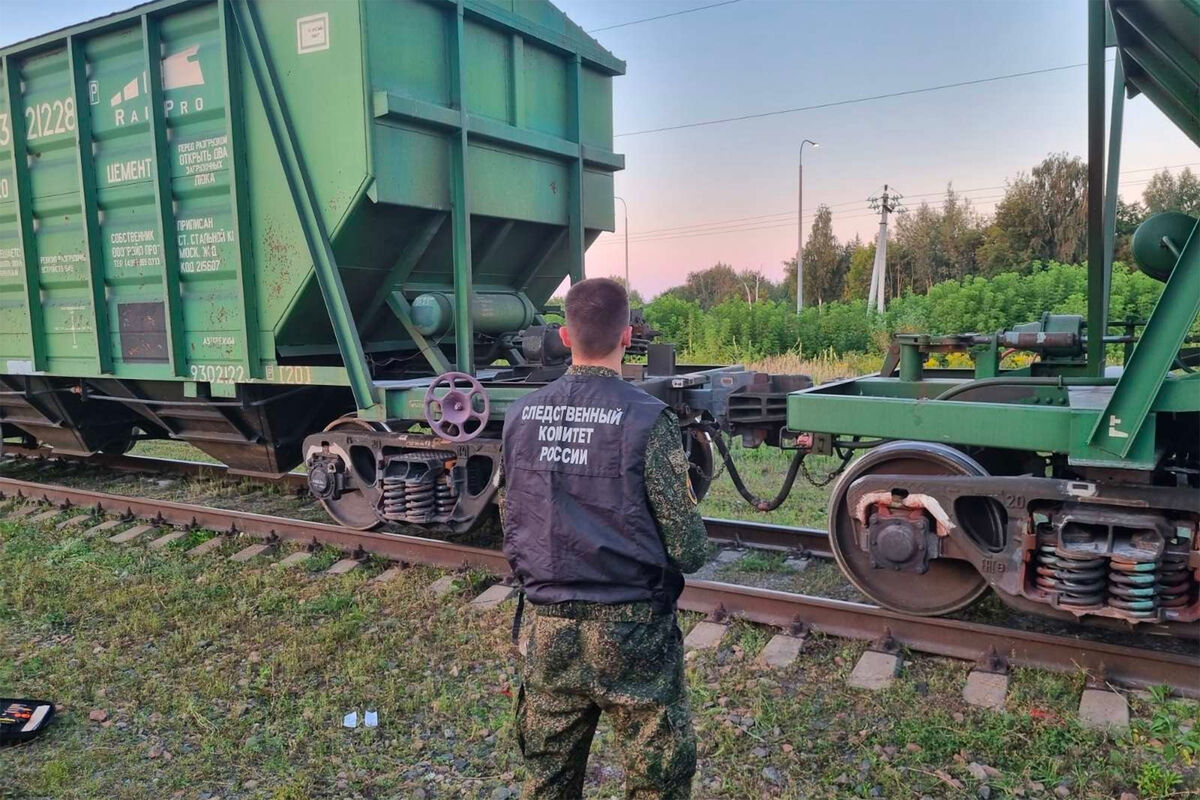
21	720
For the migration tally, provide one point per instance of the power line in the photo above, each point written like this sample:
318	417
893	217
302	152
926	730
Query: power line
663	16
695	235
904	93
1156	169
765	224
712	223
762	219
992	188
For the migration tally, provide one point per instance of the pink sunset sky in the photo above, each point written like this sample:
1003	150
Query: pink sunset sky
727	192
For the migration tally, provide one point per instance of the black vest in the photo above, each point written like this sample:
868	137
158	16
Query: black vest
578	524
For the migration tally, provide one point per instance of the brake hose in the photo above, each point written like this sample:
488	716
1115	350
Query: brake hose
750	497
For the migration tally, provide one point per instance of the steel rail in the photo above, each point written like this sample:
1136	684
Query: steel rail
765	536
737	533
1130	666
396	547
128	463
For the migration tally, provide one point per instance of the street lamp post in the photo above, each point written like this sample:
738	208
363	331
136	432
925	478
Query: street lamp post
625	224
800	230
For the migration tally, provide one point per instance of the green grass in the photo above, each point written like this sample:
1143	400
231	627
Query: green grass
763	561
231	681
763	470
166	448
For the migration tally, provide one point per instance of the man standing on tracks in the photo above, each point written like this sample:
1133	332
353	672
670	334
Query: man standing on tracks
600	522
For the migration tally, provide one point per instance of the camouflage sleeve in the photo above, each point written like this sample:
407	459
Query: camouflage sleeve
499	480
671	498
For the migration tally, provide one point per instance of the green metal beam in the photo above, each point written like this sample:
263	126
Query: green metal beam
1116	124
408	109
535	264
575	237
1182	116
1056	429
22	197
1175	69
85	164
1018	427
238	196
1134	395
398	274
163	201
493	15
929	387
516	97
1180	92
1179	393
94	27
1097	283
492	247
389	104
311	224
460	212
524	139
403	311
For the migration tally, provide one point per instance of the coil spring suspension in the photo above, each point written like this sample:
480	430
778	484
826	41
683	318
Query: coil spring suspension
418	488
1174	581
394	505
445	495
1141	587
1136	579
1078	580
405	500
1132	586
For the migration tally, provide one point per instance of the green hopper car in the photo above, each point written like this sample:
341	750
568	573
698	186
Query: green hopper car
1069	487
326	233
247	224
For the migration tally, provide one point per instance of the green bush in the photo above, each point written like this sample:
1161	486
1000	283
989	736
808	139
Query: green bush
736	331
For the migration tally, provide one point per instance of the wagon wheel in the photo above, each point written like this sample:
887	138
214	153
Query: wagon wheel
121	443
949	584
353	508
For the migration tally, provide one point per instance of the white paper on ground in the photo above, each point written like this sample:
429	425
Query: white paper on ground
36	718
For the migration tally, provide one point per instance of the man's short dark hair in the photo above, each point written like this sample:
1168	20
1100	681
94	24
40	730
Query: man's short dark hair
597	315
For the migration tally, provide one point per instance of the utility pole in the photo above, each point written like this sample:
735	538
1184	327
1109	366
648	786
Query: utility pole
625	225
800	229
888	203
746	285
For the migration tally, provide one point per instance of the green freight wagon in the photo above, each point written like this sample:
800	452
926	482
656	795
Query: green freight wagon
232	223
1071	488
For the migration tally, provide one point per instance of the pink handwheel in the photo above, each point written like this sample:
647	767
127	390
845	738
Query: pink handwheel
453	415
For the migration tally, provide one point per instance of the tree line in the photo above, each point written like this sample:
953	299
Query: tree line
1041	219
736	330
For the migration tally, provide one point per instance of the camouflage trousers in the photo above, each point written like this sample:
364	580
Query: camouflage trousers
576	669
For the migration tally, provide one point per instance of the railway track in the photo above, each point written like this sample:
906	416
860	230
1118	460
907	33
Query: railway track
1131	666
728	532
